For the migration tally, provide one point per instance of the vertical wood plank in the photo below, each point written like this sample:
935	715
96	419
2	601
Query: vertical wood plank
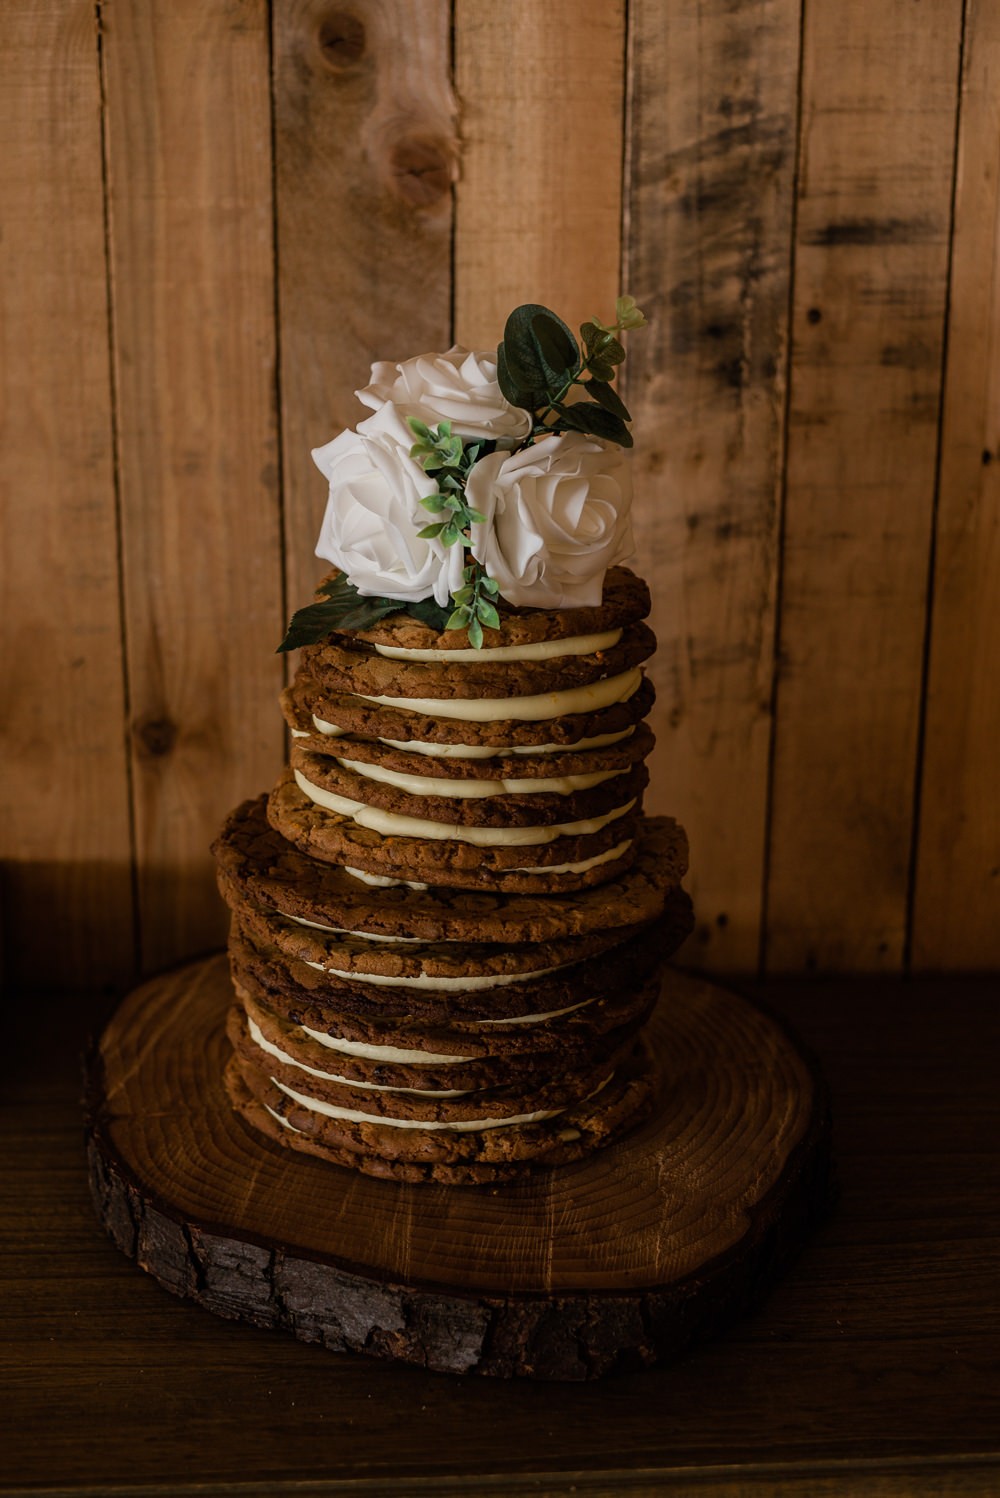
67	900
365	159
538	205
709	214
956	919
189	171
879	102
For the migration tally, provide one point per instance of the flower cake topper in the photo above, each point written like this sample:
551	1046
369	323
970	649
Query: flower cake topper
479	481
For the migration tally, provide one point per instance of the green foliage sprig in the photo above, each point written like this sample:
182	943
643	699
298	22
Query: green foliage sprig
539	364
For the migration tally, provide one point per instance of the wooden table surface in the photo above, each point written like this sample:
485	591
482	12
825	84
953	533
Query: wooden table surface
872	1370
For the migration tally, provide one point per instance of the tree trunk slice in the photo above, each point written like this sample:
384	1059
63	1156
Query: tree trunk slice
620	1260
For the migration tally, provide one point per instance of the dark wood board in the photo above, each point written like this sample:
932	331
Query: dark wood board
606	1265
871	1369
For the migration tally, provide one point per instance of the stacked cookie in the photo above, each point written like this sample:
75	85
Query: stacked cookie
450	915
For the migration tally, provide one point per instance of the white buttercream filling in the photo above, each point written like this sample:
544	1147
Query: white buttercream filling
368	1052
392	824
427	980
261	1040
579	868
299	733
345	930
382	881
535	709
458	1126
535	650
431	785
491	751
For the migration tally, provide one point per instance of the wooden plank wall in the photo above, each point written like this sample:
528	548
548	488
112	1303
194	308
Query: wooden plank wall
217	213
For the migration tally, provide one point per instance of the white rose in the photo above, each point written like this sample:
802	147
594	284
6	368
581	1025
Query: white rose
459	386
374	512
557	517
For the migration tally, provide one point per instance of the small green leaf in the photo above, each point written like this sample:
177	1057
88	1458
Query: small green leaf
475	634
464	595
627	313
488	614
460	618
434	503
490	585
476	515
419	428
450	534
430	531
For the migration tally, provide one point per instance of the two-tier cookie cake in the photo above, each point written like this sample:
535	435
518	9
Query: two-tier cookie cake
450	915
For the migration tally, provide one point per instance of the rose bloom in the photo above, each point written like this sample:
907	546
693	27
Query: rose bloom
374	512
557	517
459	386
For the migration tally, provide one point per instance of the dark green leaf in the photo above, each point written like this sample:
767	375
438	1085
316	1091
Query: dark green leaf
594	336
556	344
589	417
609	398
541	352
428	612
342	608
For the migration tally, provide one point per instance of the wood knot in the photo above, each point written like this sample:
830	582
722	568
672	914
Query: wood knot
155	736
341	40
421	170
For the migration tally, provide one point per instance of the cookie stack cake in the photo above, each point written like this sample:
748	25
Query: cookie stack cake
450	916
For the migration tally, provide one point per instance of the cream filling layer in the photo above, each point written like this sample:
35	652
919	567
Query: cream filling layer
260	1039
535	709
368	1052
392	824
491	751
346	930
534	650
430	785
446	985
458	1126
583	865
382	881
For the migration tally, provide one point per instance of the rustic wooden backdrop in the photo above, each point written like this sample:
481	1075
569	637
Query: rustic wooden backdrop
217	213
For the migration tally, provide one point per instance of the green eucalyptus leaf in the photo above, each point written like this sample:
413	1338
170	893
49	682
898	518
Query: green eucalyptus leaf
556	344
595	335
608	397
589	417
475	634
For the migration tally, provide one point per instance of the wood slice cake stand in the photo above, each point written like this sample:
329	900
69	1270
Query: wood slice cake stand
620	1260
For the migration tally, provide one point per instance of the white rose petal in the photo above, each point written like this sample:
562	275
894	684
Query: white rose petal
374	512
459	386
557	517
